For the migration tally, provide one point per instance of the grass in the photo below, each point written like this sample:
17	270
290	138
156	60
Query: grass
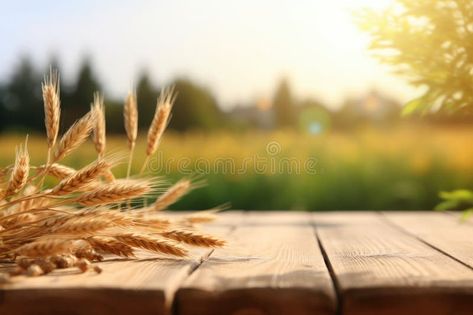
370	169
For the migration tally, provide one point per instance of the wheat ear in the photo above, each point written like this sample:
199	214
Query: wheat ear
46	247
173	194
159	122
113	193
19	174
52	108
151	244
57	170
130	115
192	238
110	246
99	137
81	178
76	135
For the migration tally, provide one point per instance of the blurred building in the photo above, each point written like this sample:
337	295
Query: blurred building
259	115
372	108
376	106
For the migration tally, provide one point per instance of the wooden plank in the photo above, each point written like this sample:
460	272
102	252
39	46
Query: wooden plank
381	270
272	265
444	231
144	286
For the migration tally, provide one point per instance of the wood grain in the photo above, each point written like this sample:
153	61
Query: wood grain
144	286
444	231
381	270
272	265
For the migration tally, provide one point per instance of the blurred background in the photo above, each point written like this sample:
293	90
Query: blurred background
281	104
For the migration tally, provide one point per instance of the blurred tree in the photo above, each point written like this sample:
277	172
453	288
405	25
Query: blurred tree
146	94
195	108
54	64
3	109
81	94
22	96
431	43
283	106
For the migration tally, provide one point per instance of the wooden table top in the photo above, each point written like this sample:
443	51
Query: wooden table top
279	263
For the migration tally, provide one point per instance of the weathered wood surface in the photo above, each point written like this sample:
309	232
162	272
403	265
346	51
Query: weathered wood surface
280	263
446	232
273	265
379	269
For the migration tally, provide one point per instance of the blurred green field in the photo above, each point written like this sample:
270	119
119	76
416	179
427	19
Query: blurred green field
370	169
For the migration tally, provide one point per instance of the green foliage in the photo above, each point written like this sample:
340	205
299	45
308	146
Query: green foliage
453	200
431	43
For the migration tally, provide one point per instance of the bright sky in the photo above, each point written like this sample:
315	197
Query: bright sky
239	49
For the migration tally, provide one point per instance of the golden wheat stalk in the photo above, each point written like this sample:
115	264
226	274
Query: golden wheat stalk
172	195
152	223
114	192
99	137
71	223
110	246
19	174
151	244
52	107
56	170
76	135
159	123
193	238
80	179
130	115
80	225
46	247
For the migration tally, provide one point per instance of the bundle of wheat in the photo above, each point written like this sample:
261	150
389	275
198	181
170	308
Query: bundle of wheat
88	213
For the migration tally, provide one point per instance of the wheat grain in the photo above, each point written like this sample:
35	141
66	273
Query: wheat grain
20	219
46	247
108	176
63	261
